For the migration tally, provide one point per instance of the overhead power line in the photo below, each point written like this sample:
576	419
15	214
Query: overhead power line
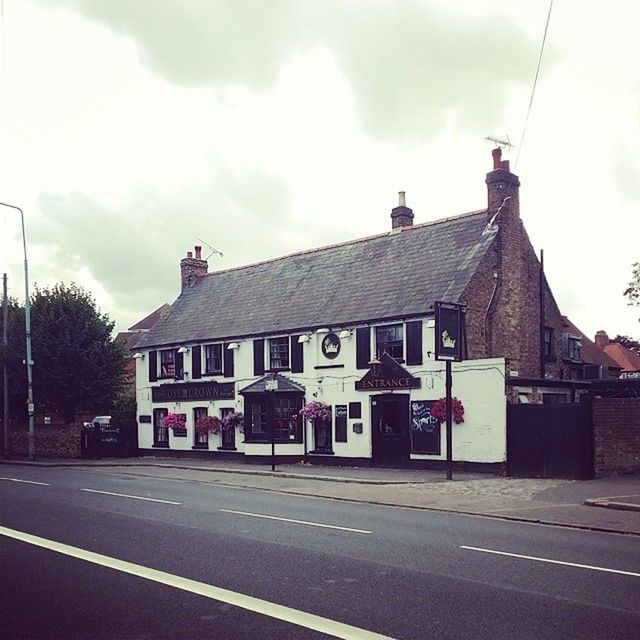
535	82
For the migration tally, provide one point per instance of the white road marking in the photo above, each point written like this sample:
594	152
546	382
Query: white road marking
567	564
264	607
310	524
44	484
125	495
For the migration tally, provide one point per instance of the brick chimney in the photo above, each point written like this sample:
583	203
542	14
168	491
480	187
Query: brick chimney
502	184
192	268
602	339
401	216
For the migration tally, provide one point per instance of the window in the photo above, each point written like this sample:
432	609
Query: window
390	340
228	434
160	432
285	418
547	345
213	359
200	440
574	348
168	363
279	353
259	420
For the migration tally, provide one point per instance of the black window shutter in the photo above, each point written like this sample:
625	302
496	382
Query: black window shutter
153	366
196	362
258	357
297	357
227	359
179	360
363	347
414	342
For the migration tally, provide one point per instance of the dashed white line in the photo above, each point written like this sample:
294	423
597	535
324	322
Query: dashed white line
44	484
310	524
300	618
126	495
550	561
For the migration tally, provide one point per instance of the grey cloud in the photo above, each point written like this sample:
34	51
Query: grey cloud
133	249
410	66
626	171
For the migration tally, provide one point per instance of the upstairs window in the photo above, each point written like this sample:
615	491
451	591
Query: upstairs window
279	353
213	359
390	340
547	345
168	363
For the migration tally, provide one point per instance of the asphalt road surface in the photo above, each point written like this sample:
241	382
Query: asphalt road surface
87	554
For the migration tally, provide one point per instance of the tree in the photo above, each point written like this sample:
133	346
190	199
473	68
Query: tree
77	362
14	357
633	290
629	343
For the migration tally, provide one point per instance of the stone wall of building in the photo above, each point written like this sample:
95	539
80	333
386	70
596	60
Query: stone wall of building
51	441
616	436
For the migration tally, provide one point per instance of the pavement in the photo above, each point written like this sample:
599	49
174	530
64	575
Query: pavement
609	504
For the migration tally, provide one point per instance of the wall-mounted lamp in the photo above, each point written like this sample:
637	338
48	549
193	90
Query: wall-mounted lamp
232	346
374	363
345	333
138	356
183	350
305	337
323	330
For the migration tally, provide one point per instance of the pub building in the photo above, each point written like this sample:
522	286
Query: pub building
352	326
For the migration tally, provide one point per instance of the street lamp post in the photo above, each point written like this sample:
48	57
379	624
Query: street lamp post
27	325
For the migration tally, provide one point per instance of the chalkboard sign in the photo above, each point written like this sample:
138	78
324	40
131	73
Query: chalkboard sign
425	429
341	422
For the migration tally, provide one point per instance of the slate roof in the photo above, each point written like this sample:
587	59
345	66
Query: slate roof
147	322
388	276
284	385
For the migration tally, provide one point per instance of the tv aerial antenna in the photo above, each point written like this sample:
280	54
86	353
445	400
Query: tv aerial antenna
503	142
213	249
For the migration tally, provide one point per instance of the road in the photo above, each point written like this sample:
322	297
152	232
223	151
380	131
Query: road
93	554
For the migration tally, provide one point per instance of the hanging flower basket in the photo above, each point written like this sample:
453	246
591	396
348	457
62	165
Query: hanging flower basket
208	424
177	422
316	412
439	410
233	420
174	421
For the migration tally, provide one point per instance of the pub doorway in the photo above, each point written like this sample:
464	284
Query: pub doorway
390	429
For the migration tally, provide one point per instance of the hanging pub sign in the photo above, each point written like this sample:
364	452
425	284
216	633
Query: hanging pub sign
330	346
449	331
193	391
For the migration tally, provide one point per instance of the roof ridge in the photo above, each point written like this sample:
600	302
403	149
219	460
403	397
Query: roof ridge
346	243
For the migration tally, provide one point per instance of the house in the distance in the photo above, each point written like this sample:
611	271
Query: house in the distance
627	360
352	325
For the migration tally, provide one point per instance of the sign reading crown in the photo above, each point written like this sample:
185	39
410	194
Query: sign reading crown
447	341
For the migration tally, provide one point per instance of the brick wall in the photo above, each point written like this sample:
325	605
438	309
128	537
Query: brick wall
52	441
616	436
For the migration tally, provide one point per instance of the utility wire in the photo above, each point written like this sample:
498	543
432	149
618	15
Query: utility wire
535	82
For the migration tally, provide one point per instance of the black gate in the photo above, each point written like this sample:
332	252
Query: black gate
550	440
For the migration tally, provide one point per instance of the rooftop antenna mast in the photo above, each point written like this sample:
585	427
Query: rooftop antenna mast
503	143
213	249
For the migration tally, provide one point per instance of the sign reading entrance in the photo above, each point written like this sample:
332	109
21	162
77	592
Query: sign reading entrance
425	429
193	391
387	375
449	331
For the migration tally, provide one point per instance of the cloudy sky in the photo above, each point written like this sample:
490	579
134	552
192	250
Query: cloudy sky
129	130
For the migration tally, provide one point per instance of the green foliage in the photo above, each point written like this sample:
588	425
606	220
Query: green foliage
14	356
77	362
633	290
629	343
123	413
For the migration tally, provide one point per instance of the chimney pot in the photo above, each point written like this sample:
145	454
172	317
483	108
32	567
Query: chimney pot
497	155
602	339
189	254
198	252
401	199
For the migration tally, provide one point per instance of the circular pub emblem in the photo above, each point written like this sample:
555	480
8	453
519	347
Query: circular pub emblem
330	346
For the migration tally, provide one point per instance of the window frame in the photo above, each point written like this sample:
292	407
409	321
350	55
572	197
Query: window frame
160	430
164	366
213	372
397	346
283	343
548	350
200	441
269	413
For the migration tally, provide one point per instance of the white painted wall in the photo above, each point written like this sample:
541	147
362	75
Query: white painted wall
479	384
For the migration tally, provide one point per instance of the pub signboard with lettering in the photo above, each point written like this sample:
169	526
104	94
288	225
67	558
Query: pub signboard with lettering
388	375
187	391
425	429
